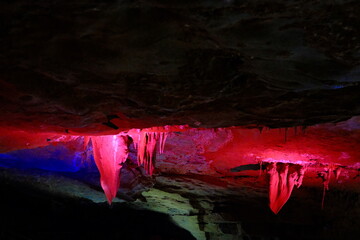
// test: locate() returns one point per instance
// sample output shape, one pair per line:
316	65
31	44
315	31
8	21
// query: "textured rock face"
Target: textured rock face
205	63
222	183
74	69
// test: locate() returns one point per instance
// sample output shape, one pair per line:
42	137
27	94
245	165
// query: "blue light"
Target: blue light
337	86
53	158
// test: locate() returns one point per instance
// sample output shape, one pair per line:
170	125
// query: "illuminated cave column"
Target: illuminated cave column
283	178
110	152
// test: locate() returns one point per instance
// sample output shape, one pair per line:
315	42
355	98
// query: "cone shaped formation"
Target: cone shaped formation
283	178
326	177
110	152
146	142
147	147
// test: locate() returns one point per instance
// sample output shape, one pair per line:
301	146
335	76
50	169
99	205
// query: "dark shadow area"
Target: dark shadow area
30	213
300	218
247	167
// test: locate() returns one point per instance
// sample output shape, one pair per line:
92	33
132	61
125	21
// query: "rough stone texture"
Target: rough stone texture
211	182
218	171
208	211
35	206
71	66
67	64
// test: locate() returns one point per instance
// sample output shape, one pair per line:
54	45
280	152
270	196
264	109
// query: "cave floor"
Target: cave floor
37	204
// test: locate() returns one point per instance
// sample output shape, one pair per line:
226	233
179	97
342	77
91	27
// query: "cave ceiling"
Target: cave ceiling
71	65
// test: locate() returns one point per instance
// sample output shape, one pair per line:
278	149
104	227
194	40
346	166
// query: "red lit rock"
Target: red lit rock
283	178
110	152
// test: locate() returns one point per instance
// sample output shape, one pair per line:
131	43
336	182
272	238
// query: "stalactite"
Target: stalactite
301	174
283	178
147	147
326	177
260	172
303	129
86	142
135	135
162	141
110	152
260	129
326	180
146	151
337	173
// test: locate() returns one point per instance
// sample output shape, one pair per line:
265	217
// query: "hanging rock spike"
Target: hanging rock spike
337	173
110	152
147	147
283	178
326	176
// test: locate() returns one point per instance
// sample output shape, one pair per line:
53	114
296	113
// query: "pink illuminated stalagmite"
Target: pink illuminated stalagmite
110	152
283	178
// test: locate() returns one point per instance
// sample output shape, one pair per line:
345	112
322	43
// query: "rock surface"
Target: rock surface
205	63
218	183
72	69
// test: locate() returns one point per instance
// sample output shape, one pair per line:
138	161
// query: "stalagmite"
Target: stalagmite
283	178
110	152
